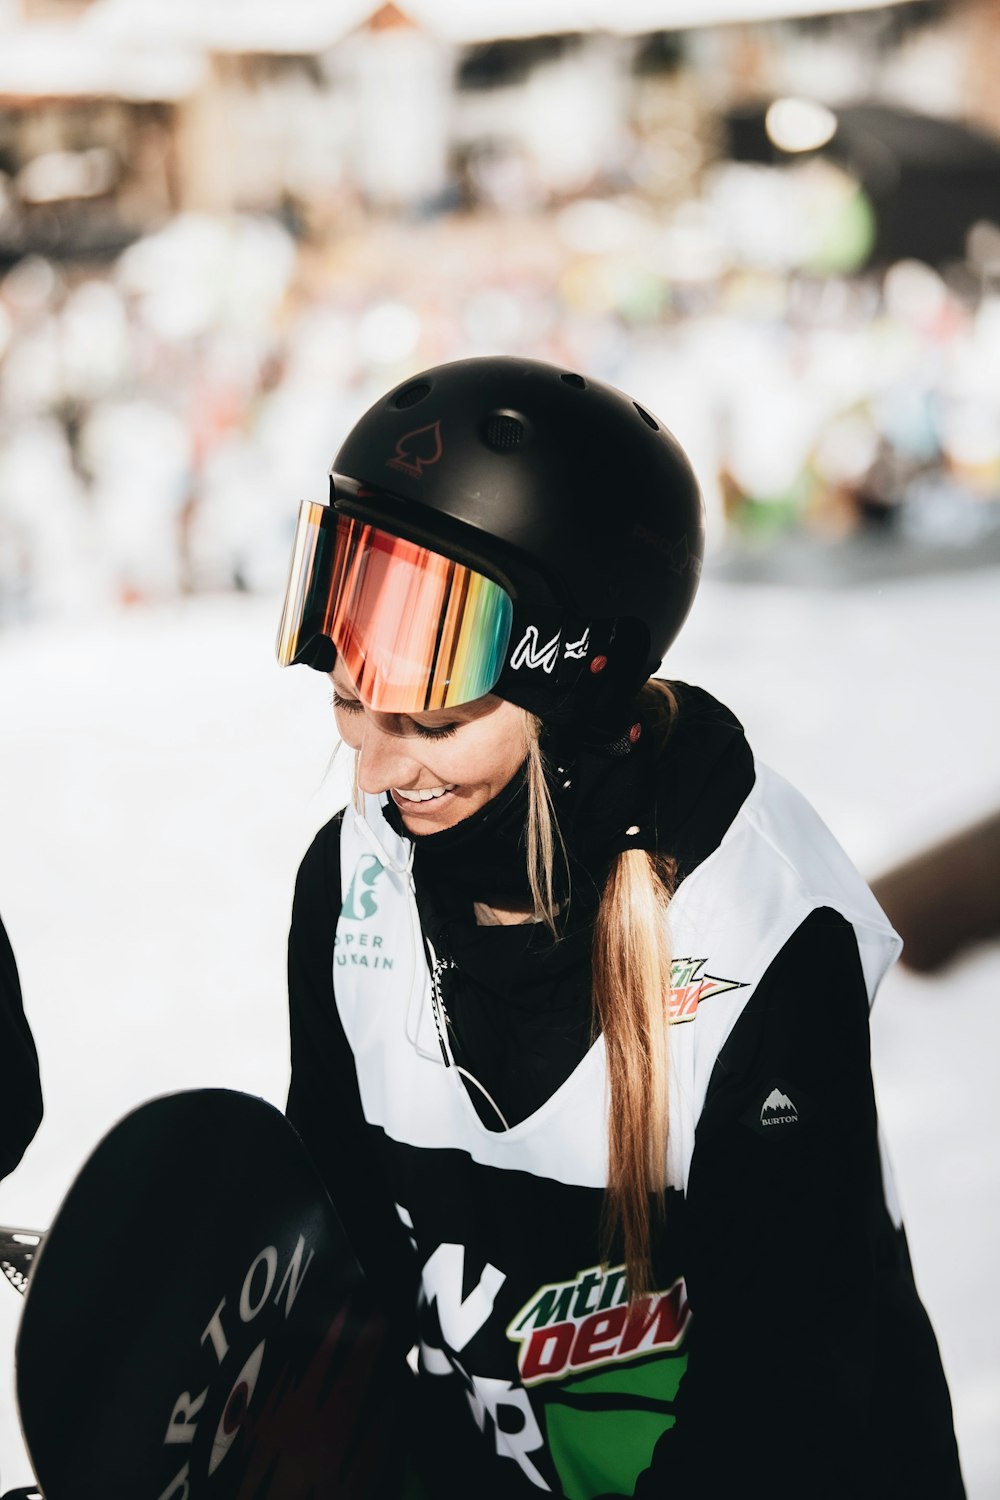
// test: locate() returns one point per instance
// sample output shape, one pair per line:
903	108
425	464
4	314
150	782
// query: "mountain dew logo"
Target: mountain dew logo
582	1324
689	986
607	1371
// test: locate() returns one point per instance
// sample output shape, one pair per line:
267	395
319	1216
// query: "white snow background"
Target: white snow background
160	779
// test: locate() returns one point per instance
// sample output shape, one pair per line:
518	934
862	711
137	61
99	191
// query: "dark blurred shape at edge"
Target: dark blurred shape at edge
929	179
945	899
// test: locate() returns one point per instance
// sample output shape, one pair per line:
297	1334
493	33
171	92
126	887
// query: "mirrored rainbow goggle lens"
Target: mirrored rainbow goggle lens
415	630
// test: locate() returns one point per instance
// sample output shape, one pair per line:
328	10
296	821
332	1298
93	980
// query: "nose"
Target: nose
383	759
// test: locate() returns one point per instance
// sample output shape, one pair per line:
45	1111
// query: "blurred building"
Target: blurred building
225	227
220	107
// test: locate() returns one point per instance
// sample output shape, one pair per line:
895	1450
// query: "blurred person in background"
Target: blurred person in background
945	899
579	990
20	1088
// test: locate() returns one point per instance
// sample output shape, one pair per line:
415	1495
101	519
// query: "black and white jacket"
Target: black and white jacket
783	1343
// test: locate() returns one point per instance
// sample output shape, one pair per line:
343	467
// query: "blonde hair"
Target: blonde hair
543	835
631	990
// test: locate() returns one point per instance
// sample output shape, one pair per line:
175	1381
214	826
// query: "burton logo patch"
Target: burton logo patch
778	1109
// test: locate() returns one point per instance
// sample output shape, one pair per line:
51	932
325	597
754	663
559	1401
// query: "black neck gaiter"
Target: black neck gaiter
484	855
602	805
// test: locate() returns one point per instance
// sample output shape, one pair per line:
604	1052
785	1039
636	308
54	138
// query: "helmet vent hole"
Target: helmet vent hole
503	433
576	381
410	395
649	421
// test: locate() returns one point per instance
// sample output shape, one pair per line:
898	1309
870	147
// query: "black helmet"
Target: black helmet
562	490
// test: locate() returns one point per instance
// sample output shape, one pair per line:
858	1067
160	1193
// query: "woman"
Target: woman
579	991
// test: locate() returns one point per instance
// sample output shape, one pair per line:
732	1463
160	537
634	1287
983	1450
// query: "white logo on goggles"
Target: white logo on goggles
528	654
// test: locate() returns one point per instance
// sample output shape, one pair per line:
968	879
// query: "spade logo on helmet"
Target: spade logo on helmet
418	450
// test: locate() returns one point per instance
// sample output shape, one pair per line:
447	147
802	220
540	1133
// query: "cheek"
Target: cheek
508	762
497	756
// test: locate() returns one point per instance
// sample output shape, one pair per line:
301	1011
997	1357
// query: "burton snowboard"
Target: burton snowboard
196	1327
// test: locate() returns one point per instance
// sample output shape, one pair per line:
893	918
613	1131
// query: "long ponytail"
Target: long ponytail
631	986
631	991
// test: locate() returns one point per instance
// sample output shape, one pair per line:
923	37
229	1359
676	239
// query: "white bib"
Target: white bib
727	920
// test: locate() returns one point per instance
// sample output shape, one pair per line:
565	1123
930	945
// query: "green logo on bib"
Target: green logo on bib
360	902
351	947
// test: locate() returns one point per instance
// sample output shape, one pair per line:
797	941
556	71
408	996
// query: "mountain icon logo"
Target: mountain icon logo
778	1109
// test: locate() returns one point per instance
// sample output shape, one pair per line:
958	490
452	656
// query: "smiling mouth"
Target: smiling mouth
426	794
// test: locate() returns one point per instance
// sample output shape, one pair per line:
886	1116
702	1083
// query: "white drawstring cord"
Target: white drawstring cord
441	1023
368	833
436	965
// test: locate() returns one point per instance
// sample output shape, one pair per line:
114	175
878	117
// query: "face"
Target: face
438	767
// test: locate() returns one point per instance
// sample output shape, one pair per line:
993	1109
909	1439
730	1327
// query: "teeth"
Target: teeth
426	795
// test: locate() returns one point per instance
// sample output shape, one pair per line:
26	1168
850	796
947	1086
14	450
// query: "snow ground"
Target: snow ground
160	779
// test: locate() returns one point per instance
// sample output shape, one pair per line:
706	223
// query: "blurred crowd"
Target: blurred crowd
162	414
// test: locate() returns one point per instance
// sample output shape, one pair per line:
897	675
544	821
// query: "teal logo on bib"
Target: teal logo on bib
364	948
360	901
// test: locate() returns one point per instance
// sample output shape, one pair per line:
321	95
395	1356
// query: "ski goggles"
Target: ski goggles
415	630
